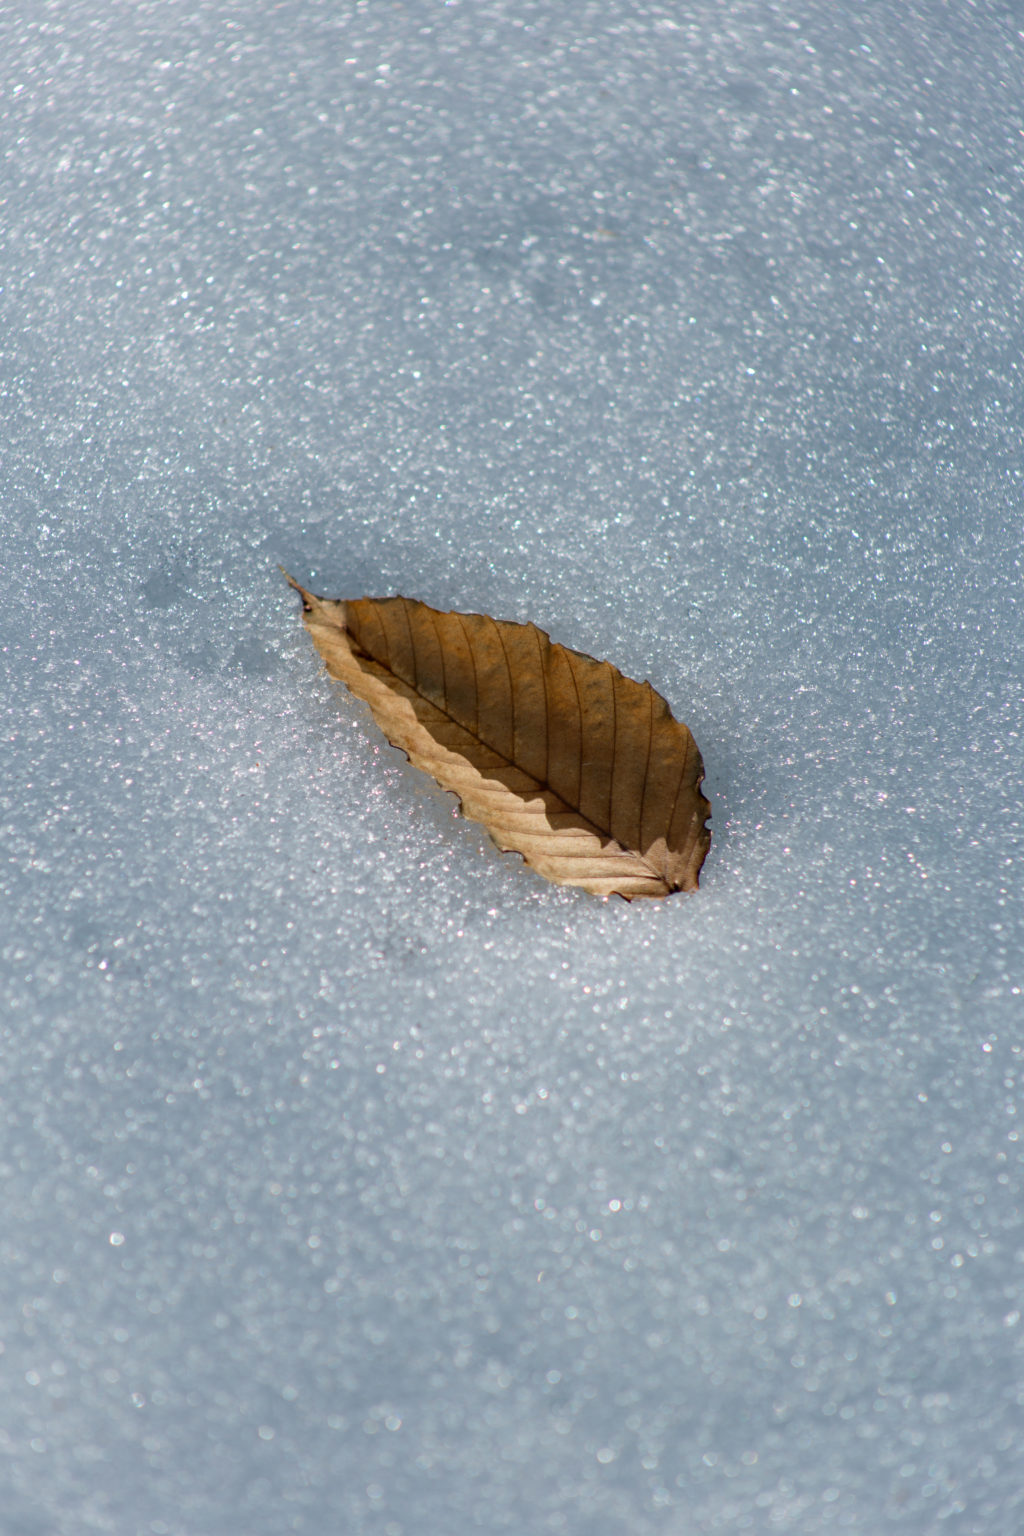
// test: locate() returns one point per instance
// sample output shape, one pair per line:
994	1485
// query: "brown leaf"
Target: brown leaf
579	769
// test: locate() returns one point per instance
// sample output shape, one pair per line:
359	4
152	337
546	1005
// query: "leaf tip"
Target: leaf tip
308	600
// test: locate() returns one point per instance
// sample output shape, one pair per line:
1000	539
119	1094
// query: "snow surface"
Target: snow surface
354	1180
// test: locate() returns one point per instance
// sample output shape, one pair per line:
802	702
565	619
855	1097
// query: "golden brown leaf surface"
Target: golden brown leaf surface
581	770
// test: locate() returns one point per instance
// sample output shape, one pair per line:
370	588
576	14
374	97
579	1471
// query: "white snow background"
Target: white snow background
355	1180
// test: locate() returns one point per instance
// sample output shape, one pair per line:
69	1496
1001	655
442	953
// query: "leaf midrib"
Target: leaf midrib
360	651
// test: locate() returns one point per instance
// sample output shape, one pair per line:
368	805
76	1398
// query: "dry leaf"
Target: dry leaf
579	769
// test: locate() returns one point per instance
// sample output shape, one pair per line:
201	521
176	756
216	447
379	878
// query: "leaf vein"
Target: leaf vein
412	646
647	766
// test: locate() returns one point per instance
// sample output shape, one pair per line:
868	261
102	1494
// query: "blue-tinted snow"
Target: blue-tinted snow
354	1180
